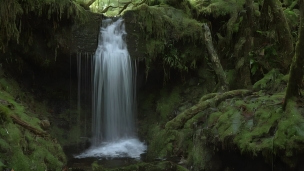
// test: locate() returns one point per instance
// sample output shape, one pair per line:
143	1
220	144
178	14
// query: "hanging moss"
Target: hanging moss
11	12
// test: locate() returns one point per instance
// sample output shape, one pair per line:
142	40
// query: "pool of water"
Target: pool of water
120	153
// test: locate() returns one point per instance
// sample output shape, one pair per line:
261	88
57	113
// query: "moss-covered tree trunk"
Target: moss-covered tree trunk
205	102
223	83
296	69
243	48
283	31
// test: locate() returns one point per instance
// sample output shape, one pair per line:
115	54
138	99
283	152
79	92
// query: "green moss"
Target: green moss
219	7
20	149
170	35
11	11
155	47
271	82
18	110
192	123
201	156
167	102
4	146
289	134
231	77
161	145
257	125
19	161
2	166
4	114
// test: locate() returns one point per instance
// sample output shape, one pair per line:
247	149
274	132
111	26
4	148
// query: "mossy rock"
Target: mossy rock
257	125
272	82
166	34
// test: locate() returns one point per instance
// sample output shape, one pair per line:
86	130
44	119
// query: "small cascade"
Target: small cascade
84	63
113	96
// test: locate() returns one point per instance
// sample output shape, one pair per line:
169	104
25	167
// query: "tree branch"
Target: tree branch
215	59
28	126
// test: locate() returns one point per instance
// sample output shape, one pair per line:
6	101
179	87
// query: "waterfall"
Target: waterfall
113	96
113	85
84	88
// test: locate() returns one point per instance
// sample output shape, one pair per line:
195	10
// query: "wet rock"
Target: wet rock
85	36
45	124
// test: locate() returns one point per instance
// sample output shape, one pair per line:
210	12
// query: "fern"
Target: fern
292	17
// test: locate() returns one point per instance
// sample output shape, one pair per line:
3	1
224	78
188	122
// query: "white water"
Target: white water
122	148
113	97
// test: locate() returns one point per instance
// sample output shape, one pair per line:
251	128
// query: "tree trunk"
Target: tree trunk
215	60
296	68
283	31
246	44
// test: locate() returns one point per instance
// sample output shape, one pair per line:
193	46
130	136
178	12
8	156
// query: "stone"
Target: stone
45	124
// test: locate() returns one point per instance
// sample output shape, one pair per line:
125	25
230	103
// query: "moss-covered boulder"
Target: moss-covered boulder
164	34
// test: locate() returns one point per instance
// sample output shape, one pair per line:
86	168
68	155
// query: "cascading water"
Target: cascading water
113	88
113	96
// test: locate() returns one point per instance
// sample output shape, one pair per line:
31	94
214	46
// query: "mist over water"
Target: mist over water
113	96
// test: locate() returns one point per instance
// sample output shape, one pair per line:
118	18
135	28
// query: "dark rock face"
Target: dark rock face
85	36
135	41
